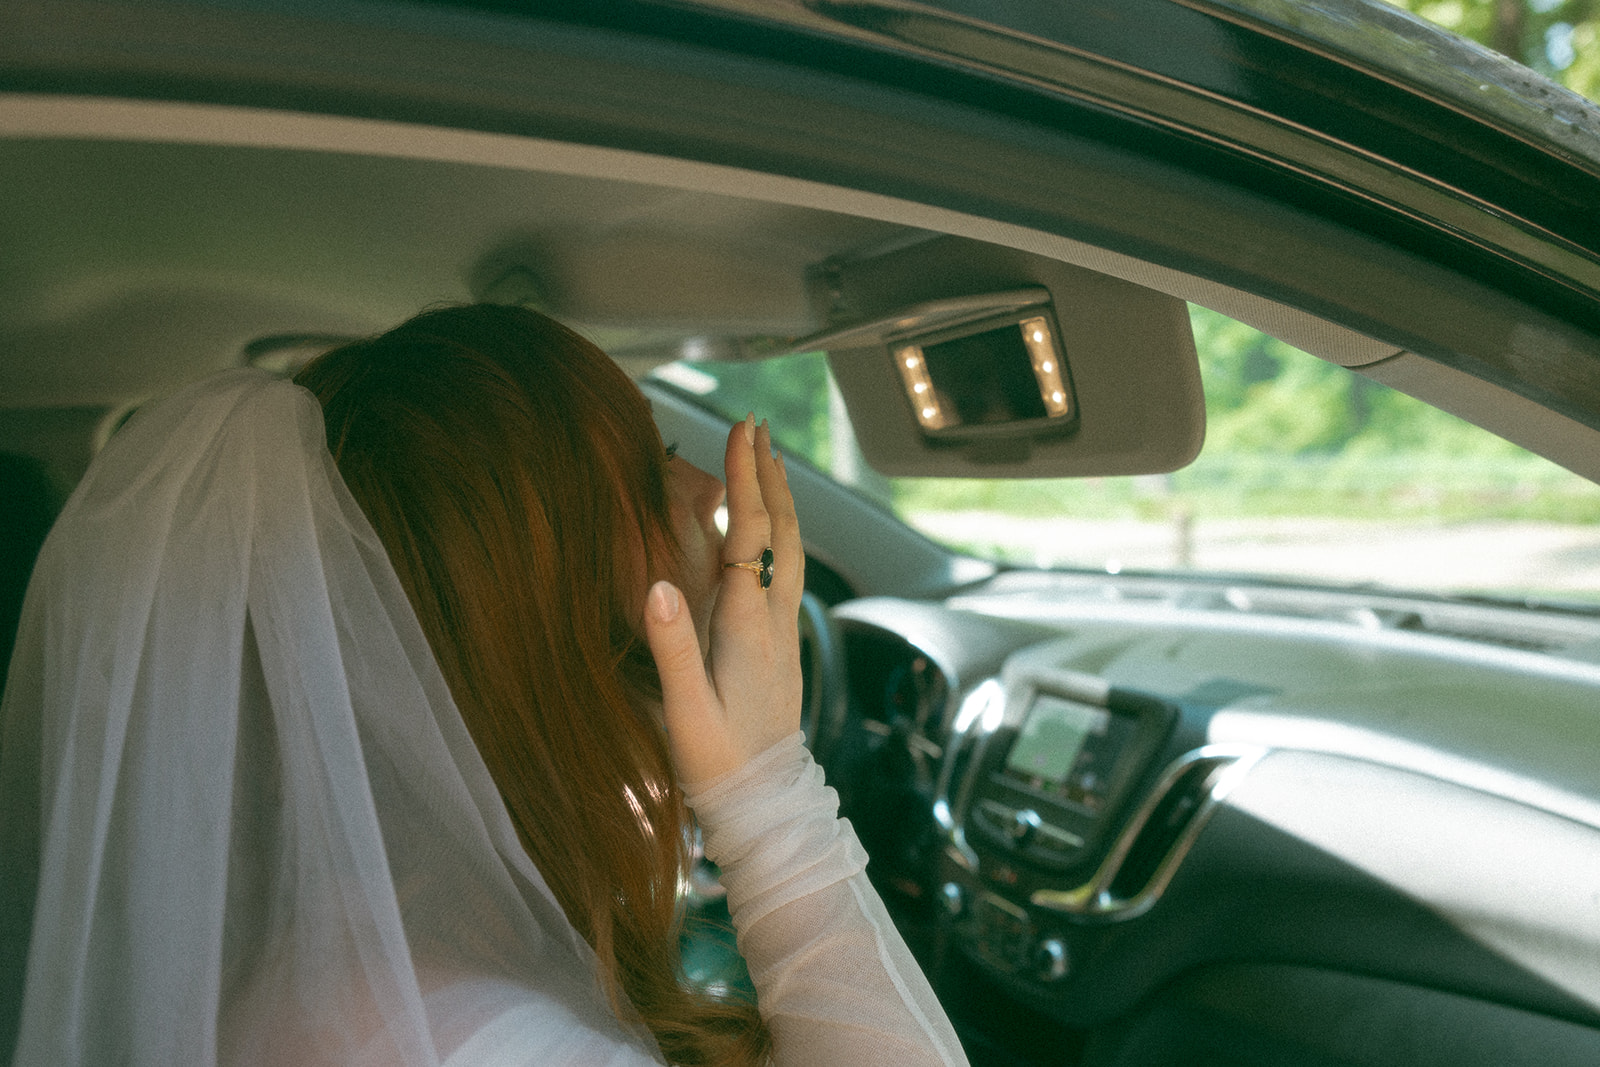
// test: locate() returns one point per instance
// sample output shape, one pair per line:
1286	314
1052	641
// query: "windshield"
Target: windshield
1310	473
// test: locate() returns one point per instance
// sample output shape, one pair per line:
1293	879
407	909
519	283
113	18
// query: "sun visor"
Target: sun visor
961	359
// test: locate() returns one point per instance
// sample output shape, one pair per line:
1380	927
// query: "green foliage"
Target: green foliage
790	392
1265	398
1558	38
1291	435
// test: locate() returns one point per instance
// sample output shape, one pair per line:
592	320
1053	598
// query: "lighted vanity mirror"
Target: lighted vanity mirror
997	376
956	358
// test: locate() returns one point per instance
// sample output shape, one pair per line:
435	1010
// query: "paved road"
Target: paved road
1517	557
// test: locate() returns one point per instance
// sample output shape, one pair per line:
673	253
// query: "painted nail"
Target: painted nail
664	601
750	428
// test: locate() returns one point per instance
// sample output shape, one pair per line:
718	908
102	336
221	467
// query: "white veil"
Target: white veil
241	820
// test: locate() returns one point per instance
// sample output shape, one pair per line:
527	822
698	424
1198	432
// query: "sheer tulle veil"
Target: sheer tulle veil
240	818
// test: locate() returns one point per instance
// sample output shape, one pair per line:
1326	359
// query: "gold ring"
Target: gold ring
760	567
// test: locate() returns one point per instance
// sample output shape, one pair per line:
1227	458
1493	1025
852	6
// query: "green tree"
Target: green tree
790	391
1559	38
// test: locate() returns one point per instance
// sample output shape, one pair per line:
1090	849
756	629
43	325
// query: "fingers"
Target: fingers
671	635
783	526
761	515
745	694
749	531
687	698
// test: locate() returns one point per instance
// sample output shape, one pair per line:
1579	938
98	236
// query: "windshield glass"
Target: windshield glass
1310	473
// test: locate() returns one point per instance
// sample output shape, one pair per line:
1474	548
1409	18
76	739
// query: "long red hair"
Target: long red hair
513	473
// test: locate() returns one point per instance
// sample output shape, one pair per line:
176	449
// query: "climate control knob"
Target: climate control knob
1050	960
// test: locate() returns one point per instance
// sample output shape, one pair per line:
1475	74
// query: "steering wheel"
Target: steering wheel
823	703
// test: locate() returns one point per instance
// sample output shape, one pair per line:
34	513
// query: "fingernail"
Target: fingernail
664	601
750	428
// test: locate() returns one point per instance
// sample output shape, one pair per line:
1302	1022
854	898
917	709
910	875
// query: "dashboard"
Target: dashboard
1118	821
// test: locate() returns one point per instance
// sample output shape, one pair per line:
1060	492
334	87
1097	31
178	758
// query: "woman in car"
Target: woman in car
354	733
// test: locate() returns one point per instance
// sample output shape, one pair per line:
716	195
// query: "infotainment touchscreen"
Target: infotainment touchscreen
1069	750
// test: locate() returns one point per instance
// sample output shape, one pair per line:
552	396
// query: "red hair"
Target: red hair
513	473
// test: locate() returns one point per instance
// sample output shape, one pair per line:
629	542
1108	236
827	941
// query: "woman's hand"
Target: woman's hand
744	696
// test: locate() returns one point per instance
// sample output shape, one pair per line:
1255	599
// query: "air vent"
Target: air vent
1173	814
1156	839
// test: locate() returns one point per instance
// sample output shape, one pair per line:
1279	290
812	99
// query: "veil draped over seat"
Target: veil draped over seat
241	820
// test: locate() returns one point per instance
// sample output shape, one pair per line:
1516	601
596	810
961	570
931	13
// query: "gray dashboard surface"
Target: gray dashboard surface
1428	808
1512	722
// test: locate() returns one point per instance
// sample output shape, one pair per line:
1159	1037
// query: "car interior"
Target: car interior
1120	817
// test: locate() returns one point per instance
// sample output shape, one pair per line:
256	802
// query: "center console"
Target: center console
1046	788
1042	788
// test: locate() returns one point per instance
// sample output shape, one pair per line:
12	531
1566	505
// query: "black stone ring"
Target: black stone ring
761	568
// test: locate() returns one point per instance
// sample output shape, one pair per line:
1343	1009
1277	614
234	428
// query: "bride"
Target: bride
360	720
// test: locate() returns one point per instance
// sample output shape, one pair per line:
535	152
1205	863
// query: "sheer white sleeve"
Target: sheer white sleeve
833	977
